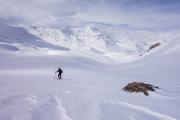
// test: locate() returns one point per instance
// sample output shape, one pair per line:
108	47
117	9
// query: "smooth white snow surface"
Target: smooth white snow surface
90	90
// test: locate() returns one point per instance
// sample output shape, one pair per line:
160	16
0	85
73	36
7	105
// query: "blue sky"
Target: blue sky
162	14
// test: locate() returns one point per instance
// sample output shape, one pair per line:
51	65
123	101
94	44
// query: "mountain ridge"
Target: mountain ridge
94	41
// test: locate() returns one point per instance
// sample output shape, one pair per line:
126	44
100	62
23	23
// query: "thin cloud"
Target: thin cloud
146	13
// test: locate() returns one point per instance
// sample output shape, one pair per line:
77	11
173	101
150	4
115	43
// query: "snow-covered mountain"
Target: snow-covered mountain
119	60
103	41
93	40
90	88
18	39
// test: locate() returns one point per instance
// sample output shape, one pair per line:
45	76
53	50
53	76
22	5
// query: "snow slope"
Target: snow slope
107	42
16	39
100	42
98	60
90	90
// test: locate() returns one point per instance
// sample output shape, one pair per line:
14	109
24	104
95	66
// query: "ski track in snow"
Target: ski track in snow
154	114
164	97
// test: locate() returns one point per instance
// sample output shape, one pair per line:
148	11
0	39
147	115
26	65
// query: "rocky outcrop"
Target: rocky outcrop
140	87
154	46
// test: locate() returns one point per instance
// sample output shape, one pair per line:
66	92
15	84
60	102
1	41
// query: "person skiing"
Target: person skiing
59	73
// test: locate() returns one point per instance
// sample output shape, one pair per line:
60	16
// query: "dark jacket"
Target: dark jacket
59	71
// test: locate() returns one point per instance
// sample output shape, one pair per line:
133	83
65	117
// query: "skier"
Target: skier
59	72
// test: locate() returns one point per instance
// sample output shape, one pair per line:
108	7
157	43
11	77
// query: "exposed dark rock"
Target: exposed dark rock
140	87
154	46
151	47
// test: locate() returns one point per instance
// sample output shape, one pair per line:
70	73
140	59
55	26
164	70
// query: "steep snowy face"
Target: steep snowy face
102	41
94	40
19	40
53	36
90	38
